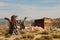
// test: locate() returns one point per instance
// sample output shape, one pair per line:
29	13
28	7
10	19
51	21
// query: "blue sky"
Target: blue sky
31	8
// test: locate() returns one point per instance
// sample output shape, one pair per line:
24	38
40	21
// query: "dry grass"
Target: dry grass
17	39
29	35
44	38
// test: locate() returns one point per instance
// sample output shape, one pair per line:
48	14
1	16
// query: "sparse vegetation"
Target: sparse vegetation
33	35
56	35
17	39
30	35
46	38
45	33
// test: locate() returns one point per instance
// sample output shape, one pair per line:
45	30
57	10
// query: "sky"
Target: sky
33	9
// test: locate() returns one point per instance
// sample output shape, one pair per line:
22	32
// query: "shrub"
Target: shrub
17	39
44	38
30	36
45	33
23	36
7	36
22	31
47	37
56	36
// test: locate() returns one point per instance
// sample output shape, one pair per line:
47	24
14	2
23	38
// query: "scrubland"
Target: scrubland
30	33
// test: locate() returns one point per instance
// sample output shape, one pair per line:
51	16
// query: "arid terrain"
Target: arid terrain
30	33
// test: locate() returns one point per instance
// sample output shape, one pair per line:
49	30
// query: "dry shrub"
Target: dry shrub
56	35
24	36
7	36
45	33
29	35
44	38
17	39
23	31
47	37
3	31
37	37
34	31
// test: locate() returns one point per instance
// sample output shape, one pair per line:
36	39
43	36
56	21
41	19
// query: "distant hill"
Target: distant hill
2	20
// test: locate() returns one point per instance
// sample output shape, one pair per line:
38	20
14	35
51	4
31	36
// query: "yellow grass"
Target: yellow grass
28	34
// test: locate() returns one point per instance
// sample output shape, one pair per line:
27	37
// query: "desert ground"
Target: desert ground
30	33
